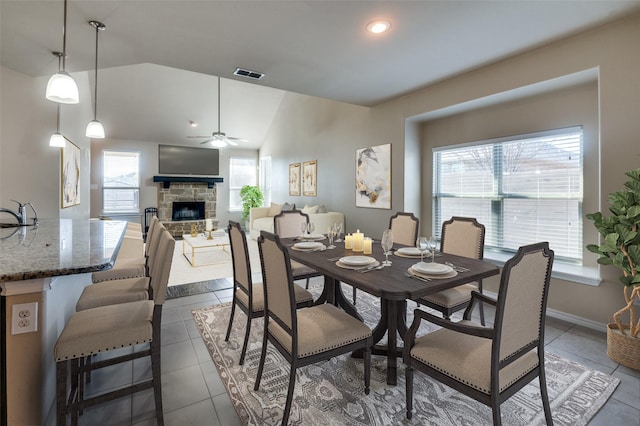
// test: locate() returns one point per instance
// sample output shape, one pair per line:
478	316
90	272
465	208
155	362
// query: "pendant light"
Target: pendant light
95	129
61	87
56	139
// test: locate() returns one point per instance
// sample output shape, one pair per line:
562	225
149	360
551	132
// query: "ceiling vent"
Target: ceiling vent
248	74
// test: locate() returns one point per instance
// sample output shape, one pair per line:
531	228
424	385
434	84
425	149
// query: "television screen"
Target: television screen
187	160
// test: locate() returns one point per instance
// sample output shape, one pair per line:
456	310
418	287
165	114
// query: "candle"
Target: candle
208	225
358	241
348	241
368	243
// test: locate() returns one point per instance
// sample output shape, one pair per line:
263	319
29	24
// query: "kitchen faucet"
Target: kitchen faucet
21	216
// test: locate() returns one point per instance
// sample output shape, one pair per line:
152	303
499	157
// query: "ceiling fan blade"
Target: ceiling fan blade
197	137
206	141
231	142
237	139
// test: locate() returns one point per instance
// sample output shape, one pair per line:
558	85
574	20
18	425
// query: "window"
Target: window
265	178
120	182
242	171
524	189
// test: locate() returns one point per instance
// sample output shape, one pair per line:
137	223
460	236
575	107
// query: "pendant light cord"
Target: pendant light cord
64	38
218	104
60	56
95	93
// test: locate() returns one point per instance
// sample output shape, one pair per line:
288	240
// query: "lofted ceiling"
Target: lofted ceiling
158	59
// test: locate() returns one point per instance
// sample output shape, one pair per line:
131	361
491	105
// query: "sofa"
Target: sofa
261	218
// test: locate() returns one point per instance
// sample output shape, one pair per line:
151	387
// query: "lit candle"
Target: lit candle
348	241
368	243
358	241
208	225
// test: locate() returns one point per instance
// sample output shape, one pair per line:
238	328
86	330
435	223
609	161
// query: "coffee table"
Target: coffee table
200	244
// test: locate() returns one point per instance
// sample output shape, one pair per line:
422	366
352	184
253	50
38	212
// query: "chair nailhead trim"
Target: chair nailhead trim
82	355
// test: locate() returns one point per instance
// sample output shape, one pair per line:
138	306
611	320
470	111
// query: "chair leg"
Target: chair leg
263	353
354	295
307	285
292	384
233	311
367	370
75	397
481	307
545	396
495	408
246	340
62	369
157	380
408	374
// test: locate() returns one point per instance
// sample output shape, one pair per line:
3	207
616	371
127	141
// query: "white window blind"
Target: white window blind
265	178
524	189
121	182
242	171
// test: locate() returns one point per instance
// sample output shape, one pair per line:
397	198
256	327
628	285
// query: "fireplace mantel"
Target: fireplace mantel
167	180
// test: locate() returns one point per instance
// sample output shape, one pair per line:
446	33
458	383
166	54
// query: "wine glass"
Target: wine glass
431	243
303	227
310	228
387	245
338	228
331	233
422	244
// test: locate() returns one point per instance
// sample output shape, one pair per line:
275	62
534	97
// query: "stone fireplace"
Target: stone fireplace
190	193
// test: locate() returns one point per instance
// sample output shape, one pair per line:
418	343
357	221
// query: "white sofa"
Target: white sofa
260	220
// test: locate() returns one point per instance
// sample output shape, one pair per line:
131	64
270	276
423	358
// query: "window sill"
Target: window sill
588	275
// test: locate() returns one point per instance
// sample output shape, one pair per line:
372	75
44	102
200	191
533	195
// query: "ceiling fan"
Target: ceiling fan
219	139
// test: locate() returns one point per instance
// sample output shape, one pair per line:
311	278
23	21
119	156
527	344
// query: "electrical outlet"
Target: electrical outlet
24	318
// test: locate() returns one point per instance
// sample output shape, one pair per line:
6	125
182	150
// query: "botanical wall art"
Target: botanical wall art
309	175
373	177
294	179
70	175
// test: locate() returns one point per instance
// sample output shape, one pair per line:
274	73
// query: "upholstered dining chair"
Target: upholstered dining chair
490	364
286	224
404	227
462	236
303	336
106	328
247	295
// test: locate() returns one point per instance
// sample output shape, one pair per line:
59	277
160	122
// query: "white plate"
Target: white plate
357	260
312	237
307	245
409	251
432	268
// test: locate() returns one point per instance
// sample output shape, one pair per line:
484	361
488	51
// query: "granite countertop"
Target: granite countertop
58	247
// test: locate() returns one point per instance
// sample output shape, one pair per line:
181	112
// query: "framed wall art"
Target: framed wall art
309	178
70	175
373	177
294	179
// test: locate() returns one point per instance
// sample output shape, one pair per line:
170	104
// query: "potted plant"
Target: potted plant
621	248
251	196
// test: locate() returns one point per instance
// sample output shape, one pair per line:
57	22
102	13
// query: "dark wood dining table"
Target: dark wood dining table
390	284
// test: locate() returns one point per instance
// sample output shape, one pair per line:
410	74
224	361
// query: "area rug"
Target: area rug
332	392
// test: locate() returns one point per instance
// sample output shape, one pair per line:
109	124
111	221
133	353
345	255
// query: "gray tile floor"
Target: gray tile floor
193	393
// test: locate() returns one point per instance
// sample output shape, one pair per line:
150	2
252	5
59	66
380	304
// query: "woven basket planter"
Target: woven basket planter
623	348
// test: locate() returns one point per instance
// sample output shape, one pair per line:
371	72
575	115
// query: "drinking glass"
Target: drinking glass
331	233
387	245
310	228
432	246
338	228
422	244
303	227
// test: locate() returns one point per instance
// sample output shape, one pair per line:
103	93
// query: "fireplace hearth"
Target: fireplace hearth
188	210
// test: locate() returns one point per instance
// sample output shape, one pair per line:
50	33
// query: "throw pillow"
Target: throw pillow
286	207
310	209
274	209
322	209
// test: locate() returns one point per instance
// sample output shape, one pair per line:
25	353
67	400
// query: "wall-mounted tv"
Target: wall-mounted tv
187	160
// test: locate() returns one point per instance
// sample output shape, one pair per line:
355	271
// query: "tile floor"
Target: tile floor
194	395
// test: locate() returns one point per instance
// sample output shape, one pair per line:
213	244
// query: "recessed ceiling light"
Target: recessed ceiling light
377	27
193	123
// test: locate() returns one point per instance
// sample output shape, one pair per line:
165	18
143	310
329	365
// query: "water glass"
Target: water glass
338	228
303	227
331	233
387	245
432	243
422	244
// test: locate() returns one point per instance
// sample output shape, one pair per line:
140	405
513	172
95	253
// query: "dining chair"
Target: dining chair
247	295
286	224
404	227
107	328
462	236
490	364
303	336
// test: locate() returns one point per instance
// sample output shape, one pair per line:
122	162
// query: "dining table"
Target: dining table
392	284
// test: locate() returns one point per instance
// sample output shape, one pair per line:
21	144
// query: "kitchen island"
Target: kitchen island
43	270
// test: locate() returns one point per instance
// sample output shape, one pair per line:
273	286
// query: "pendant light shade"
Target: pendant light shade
95	130
61	87
57	140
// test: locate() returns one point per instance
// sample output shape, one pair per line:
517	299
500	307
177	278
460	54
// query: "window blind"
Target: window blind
121	181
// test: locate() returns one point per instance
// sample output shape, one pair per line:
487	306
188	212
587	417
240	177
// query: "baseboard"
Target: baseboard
563	316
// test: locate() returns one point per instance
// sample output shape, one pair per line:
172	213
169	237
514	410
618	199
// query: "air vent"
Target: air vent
248	74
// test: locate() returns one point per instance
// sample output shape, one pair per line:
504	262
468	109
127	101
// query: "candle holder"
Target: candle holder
194	231
209	237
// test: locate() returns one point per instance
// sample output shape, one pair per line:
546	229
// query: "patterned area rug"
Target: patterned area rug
332	392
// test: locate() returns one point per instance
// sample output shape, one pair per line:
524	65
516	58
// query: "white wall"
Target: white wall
29	168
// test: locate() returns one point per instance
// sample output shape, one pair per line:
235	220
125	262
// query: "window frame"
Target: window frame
135	189
237	188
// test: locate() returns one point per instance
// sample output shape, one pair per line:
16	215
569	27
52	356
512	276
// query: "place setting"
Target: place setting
359	263
308	246
307	232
